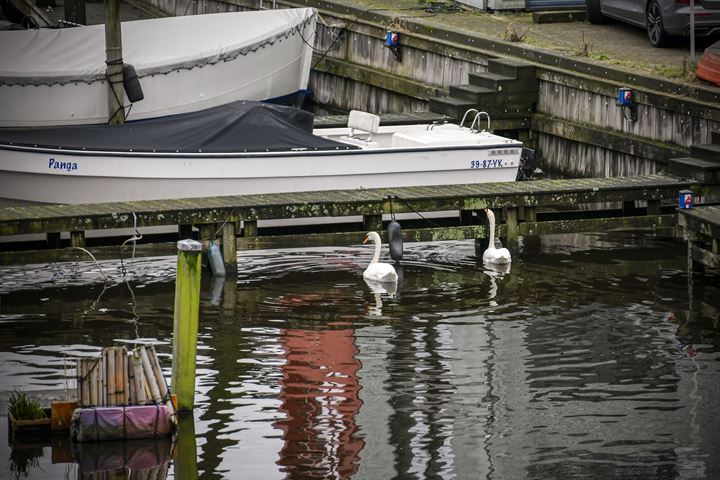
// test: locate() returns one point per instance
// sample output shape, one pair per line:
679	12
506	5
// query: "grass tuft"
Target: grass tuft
23	407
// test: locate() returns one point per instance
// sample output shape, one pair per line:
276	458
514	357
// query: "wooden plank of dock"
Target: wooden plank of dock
208	210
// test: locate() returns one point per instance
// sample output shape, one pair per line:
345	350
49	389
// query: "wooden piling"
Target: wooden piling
250	228
372	223
229	247
530	214
114	61
77	238
207	235
185	322
512	223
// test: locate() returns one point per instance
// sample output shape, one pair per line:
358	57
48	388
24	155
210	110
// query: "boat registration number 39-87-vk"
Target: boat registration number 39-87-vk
495	163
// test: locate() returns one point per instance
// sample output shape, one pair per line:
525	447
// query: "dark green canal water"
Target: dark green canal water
590	358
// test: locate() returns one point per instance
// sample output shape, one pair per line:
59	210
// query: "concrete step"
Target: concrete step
503	83
710	152
470	92
512	68
451	106
715	137
456	108
487	96
696	168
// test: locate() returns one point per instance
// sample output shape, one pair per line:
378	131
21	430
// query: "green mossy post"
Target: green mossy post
185	322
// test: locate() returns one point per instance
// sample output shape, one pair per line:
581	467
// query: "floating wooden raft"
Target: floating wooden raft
118	377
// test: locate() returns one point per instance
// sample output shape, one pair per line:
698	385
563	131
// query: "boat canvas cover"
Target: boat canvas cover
154	46
237	127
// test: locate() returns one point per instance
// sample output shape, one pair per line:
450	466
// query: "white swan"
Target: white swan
376	271
492	254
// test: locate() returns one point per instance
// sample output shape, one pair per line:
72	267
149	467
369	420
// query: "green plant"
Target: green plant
23	407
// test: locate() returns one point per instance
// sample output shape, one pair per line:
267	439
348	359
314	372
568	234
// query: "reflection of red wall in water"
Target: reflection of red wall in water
320	397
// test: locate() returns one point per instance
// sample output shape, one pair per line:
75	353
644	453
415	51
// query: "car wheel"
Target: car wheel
594	13
654	23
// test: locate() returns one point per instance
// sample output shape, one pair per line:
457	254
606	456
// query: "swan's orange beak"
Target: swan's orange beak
366	239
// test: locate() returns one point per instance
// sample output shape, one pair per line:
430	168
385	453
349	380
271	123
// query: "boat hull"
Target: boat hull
52	176
272	62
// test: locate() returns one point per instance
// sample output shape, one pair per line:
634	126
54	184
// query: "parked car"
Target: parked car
708	67
662	19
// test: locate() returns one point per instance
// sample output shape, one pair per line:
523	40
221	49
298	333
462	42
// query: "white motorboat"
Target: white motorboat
243	148
184	64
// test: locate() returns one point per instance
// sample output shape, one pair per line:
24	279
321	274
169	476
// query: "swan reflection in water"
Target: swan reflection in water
495	271
378	289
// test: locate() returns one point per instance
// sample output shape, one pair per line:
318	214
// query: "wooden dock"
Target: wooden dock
528	208
700	226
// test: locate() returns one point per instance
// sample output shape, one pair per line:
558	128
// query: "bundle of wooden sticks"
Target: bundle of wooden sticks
118	377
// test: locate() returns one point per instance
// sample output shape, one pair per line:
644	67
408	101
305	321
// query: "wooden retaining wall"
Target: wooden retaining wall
585	121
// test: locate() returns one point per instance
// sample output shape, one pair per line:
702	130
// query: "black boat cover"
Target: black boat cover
237	127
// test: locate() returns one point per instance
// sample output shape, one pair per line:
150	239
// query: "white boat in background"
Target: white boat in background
243	148
184	64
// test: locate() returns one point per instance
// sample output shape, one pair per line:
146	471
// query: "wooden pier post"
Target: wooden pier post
530	214
207	235
372	223
512	224
229	247
250	228
114	63
77	239
185	322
